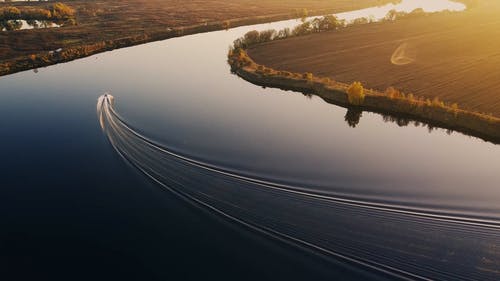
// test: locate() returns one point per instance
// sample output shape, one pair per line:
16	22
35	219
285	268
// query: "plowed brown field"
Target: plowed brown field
453	56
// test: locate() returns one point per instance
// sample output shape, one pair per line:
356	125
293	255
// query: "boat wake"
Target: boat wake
398	241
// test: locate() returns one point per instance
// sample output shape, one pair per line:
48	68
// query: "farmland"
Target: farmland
453	56
100	24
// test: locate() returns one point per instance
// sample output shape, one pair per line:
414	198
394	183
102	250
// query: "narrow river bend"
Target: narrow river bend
402	201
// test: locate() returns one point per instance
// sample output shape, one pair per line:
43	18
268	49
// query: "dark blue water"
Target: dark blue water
71	208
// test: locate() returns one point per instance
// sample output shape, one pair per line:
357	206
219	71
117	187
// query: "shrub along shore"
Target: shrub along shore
392	101
56	11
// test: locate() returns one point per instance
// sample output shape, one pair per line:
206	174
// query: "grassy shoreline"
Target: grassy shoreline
471	123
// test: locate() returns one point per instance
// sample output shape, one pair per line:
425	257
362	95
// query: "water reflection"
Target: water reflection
353	116
400	121
11	25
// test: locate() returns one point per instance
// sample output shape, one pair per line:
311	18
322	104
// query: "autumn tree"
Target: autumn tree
356	93
10	13
62	11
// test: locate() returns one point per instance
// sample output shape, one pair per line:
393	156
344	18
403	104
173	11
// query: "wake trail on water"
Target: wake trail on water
404	242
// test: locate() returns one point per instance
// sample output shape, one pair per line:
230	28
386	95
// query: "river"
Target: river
395	201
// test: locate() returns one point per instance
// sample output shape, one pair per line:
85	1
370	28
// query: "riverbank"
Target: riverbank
435	112
106	25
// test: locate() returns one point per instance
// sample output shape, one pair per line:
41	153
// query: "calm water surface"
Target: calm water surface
65	191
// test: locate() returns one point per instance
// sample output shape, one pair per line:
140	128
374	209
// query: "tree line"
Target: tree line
316	25
57	11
